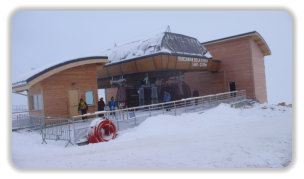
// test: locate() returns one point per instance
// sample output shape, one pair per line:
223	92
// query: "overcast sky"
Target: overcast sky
40	38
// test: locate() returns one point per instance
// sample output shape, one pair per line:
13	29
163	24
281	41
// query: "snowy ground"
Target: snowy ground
222	137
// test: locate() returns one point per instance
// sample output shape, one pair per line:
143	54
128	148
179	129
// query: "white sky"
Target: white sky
40	38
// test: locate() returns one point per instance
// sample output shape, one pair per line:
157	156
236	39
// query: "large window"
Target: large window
37	102
89	97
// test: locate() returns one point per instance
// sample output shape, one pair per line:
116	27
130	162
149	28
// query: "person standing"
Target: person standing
112	104
101	106
196	94
167	98
83	107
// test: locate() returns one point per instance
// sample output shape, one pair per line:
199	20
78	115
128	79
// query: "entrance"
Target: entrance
73	102
232	87
127	97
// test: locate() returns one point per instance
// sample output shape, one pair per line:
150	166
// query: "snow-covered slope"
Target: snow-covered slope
221	137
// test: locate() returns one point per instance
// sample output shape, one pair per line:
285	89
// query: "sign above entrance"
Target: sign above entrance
201	62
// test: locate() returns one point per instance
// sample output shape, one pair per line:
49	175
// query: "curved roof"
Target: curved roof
40	74
254	34
166	42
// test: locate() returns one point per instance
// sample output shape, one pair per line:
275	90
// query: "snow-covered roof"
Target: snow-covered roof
166	42
25	78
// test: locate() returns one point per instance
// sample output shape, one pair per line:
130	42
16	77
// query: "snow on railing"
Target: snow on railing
19	108
24	118
214	98
130	117
75	130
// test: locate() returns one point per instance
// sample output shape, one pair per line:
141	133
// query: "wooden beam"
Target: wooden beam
108	72
121	69
136	66
175	62
168	61
161	61
20	93
154	63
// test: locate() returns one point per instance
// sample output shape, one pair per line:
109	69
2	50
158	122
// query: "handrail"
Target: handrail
157	104
75	130
18	112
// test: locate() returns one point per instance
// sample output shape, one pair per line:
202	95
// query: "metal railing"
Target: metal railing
131	117
75	130
24	119
19	108
56	129
51	128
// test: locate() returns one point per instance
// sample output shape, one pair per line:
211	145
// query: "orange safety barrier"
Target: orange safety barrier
101	131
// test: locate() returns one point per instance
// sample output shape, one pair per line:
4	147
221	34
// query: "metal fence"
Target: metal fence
75	130
56	129
50	128
19	108
131	117
23	119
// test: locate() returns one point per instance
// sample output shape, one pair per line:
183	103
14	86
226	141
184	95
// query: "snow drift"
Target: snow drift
222	137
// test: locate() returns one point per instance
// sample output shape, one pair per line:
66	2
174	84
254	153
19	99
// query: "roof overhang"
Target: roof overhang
155	54
34	79
259	40
20	89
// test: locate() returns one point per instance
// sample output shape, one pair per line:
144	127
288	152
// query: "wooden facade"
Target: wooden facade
61	92
56	91
157	63
242	62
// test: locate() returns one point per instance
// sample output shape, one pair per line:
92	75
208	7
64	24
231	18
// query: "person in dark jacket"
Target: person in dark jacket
101	106
83	107
195	94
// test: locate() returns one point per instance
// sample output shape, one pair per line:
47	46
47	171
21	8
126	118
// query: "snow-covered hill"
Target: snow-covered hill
221	137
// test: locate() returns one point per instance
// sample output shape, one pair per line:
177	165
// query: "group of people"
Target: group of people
83	106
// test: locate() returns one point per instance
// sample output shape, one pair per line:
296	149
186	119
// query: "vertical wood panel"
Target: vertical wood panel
56	87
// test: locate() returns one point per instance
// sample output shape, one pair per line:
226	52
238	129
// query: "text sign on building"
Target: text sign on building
195	61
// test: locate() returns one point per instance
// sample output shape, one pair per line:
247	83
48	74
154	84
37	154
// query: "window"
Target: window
37	102
89	97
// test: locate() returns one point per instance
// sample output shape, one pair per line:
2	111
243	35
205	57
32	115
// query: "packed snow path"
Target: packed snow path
221	137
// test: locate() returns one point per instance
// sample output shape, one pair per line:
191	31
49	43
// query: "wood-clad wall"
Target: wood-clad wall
243	63
236	61
55	89
34	90
153	63
145	64
258	72
206	83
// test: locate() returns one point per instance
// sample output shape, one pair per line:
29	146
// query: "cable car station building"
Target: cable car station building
138	73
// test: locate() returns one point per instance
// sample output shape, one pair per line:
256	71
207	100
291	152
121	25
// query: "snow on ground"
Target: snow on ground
222	137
